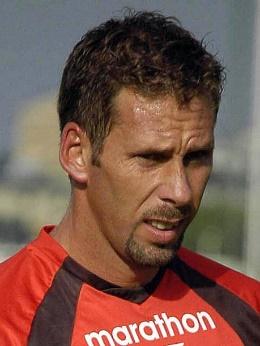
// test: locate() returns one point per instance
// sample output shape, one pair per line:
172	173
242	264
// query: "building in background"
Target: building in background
34	189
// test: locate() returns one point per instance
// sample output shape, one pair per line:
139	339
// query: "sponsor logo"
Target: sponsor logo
161	326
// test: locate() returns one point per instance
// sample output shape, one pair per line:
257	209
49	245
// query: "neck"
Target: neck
88	246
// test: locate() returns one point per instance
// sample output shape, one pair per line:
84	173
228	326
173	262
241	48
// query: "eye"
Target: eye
198	156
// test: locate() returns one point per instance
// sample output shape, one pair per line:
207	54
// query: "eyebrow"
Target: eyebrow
205	146
149	149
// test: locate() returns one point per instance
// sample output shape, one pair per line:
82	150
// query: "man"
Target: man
137	105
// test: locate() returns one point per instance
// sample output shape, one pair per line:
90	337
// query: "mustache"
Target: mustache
164	211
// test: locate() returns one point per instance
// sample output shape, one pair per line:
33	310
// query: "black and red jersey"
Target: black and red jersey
46	298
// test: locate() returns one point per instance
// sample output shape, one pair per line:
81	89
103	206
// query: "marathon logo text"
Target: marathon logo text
161	326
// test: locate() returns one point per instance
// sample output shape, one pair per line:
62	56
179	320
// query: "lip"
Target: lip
163	236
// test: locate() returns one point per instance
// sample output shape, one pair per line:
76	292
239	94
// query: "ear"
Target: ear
75	152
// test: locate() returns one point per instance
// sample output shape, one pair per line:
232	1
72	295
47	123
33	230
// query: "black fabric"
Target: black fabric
54	319
238	314
136	295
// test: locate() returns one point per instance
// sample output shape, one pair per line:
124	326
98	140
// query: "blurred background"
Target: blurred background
36	37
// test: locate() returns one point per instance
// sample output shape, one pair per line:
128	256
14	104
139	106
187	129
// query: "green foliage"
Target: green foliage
218	228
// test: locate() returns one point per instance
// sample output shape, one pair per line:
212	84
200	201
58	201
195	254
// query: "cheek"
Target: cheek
112	191
127	183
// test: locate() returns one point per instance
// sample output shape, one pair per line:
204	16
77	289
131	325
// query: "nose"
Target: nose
175	187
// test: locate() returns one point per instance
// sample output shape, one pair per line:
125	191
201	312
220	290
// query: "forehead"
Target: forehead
160	113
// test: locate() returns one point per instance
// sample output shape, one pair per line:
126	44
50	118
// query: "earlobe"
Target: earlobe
74	152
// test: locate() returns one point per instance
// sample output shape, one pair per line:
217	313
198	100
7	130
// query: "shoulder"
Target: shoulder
240	285
38	261
24	280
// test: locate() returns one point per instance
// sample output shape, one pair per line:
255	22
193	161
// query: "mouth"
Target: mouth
163	225
163	231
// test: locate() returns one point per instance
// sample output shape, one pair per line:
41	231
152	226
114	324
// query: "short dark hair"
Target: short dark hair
145	51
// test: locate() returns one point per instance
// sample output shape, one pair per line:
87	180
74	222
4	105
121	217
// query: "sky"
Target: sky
36	37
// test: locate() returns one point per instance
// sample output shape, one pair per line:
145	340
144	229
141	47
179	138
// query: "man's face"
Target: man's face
153	170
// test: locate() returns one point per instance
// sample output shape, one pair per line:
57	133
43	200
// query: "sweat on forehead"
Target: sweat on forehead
147	106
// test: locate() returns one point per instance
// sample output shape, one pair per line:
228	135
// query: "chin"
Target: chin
151	255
